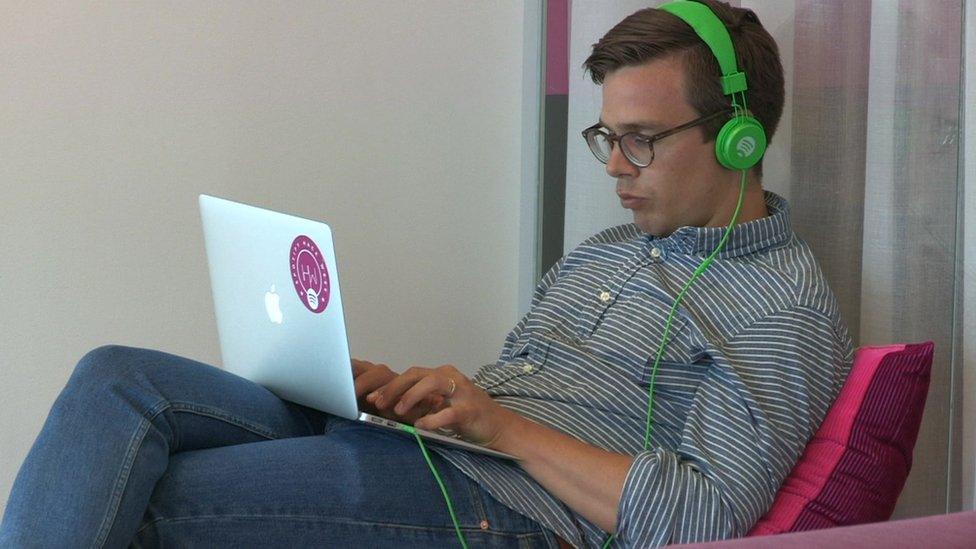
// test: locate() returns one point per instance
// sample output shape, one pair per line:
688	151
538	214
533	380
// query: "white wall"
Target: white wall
401	124
591	201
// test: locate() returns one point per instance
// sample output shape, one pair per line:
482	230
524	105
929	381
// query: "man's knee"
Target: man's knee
107	364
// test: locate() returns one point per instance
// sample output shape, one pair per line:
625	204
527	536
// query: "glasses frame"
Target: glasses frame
648	140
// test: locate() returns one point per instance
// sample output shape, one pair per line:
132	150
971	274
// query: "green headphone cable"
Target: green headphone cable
667	327
440	483
650	390
674	308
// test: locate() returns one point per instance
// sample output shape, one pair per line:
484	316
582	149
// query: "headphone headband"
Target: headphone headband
741	142
713	32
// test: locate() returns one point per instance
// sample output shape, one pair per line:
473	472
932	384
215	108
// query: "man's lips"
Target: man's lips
630	201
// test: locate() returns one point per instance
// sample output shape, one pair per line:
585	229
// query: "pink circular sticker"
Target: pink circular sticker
309	273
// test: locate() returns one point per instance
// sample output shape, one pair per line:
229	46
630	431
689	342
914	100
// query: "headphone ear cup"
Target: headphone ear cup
741	143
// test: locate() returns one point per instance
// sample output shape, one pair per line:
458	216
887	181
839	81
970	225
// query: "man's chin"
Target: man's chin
643	223
652	227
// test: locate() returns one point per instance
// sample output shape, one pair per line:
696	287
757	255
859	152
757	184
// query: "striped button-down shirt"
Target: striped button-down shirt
757	352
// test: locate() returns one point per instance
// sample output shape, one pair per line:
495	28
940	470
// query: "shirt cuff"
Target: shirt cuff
665	502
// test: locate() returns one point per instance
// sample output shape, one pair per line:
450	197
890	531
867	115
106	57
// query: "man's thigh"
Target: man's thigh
356	485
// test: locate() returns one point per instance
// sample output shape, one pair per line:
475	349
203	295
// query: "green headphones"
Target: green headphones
741	142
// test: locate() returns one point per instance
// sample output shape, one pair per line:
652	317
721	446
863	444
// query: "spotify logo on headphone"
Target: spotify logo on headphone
746	146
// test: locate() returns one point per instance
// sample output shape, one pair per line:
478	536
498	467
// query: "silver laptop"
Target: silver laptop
279	310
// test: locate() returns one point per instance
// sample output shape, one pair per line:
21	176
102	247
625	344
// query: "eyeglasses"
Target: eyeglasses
637	148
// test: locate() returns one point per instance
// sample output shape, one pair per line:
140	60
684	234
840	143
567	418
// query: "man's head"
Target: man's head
658	74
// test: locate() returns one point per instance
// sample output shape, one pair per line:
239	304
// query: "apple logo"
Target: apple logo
272	305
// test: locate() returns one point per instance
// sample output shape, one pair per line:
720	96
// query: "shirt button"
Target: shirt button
655	252
527	368
604	296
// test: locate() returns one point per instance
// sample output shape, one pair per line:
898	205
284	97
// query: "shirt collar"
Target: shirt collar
746	237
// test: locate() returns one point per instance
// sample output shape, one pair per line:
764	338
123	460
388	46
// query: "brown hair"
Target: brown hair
652	33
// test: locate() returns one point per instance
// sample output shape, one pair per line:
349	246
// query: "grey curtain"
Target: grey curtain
868	156
875	155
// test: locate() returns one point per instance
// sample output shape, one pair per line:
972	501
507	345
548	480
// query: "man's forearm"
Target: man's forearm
587	479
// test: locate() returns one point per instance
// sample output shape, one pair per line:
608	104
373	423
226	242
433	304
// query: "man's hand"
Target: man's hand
369	377
588	479
458	404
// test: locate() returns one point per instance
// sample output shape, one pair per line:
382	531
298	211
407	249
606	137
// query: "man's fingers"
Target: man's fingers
448	417
388	395
367	381
362	366
424	388
370	377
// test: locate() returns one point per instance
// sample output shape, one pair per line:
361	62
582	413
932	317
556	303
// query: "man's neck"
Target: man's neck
753	203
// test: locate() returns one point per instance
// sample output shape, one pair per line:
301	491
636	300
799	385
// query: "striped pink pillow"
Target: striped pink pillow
854	467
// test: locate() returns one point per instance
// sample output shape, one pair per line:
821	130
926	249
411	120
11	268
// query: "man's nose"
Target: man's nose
618	165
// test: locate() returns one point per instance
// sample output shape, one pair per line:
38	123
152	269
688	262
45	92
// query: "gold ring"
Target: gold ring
453	386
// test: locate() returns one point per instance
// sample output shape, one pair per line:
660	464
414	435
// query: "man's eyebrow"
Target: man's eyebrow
635	126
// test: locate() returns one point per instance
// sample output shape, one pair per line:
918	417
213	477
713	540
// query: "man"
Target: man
170	450
759	354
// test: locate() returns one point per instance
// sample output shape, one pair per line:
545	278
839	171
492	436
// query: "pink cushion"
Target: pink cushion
854	467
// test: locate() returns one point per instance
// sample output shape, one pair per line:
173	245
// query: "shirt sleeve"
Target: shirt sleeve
768	389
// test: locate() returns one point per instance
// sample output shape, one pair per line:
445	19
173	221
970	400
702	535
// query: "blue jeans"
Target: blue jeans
149	448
